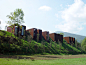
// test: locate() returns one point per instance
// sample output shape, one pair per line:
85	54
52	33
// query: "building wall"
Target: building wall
52	36
56	37
61	38
40	33
74	40
46	35
69	40
9	29
33	33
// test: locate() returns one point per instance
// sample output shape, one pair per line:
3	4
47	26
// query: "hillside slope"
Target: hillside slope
15	45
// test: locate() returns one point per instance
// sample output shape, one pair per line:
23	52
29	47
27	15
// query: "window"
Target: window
22	31
16	30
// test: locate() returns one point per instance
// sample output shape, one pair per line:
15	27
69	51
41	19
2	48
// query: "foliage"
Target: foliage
83	45
15	45
16	17
74	61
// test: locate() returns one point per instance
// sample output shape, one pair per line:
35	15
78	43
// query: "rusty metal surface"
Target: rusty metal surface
45	34
33	32
70	40
39	31
56	37
9	29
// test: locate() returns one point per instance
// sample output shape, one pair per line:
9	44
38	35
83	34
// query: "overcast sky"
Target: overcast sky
48	15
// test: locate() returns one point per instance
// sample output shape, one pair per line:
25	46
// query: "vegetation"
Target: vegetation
15	45
83	45
16	17
75	61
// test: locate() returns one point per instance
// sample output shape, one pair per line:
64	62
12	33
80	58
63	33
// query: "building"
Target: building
61	38
74	40
56	37
70	40
17	29
45	35
33	32
39	31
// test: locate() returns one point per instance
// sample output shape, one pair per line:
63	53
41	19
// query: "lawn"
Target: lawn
57	61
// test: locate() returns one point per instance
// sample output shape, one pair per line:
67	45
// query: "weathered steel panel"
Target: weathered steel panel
45	34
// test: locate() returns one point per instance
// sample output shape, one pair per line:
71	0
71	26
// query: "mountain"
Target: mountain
79	38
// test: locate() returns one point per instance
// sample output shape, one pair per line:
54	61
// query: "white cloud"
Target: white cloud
45	8
2	25
61	5
74	17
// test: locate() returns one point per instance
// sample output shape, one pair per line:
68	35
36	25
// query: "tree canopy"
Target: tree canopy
16	17
83	45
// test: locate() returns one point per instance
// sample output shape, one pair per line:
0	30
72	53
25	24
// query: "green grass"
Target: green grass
76	61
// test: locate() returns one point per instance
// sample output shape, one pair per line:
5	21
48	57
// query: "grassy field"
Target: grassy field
60	60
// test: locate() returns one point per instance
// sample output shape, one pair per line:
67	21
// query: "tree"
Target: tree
15	18
61	34
83	44
76	43
0	23
60	45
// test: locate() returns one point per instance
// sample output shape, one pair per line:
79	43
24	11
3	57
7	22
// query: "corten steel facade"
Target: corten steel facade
23	30
56	37
39	31
16	30
33	32
9	29
45	34
61	38
74	40
70	40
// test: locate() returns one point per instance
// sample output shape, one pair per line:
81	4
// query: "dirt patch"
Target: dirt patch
44	57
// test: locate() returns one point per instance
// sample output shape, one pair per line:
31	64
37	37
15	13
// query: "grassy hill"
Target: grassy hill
10	44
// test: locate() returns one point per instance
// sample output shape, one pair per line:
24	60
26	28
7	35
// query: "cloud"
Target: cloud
74	17
45	8
2	25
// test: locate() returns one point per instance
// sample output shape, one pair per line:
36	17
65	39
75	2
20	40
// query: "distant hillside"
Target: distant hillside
79	38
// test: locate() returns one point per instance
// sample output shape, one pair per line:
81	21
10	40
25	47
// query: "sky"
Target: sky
48	15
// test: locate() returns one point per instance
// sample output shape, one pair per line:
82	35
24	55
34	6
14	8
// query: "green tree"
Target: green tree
76	43
61	34
83	44
0	23
60	45
16	17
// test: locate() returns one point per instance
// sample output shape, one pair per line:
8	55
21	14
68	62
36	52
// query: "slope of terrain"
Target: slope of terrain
10	44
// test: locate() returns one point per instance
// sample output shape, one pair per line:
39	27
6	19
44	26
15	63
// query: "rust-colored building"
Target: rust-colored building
23	30
74	40
45	34
16	29
56	37
70	40
39	31
61	38
33	32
